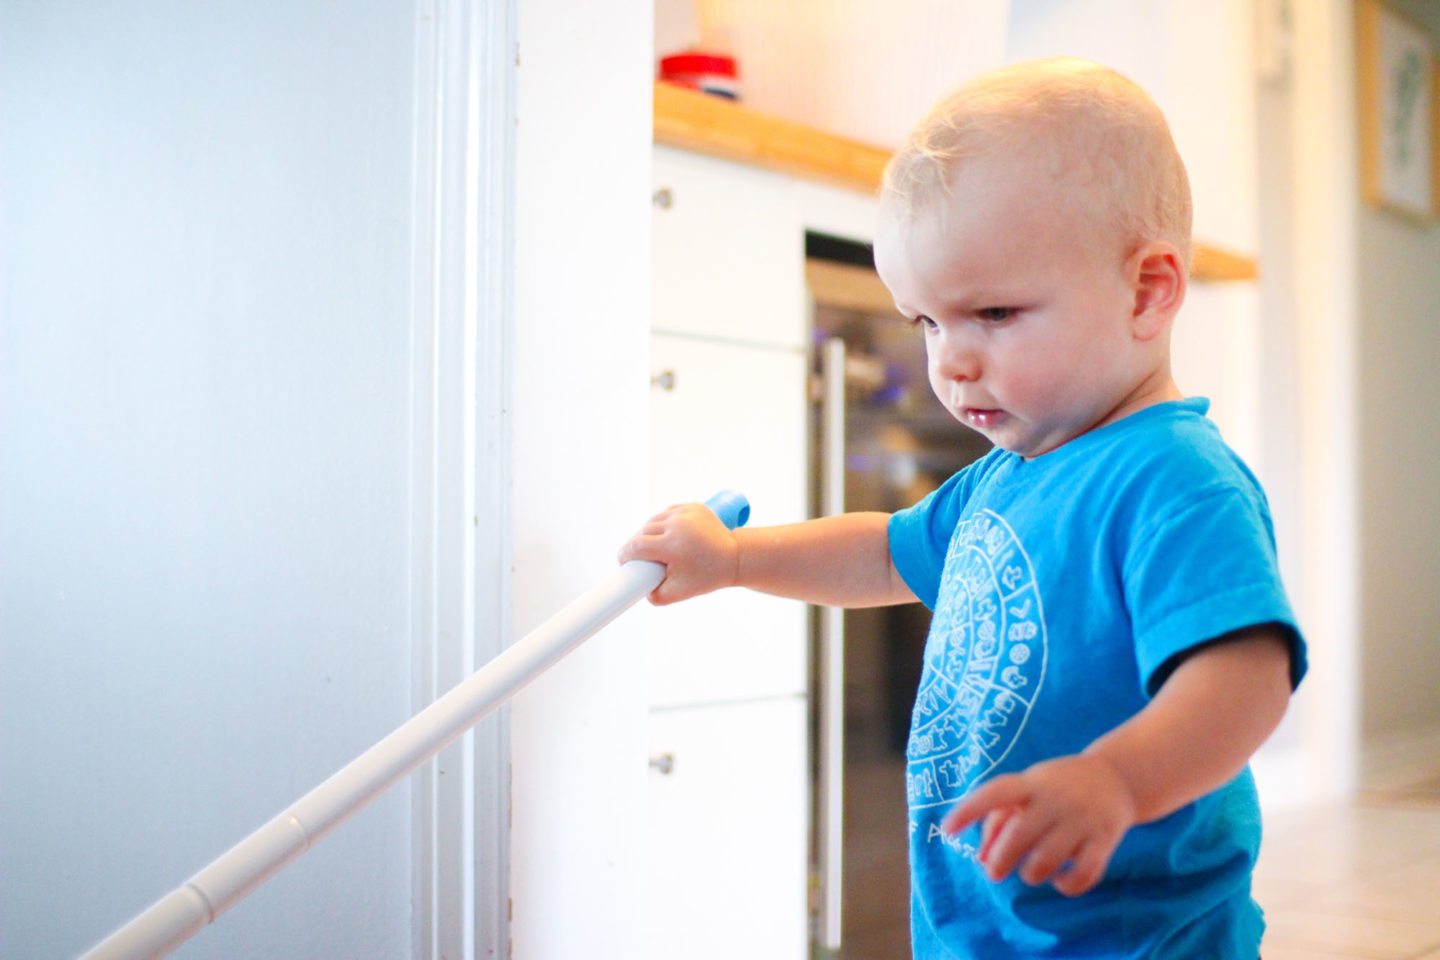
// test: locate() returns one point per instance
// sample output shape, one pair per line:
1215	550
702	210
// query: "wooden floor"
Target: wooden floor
1358	882
1353	882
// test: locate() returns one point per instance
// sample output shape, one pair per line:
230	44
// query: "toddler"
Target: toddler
1110	640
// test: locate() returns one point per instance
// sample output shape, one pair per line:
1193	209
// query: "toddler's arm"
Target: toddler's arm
1199	731
841	561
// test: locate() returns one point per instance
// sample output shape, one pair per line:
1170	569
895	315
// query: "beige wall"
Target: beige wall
1399	412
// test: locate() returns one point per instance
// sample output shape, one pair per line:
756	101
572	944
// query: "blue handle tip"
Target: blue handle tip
731	507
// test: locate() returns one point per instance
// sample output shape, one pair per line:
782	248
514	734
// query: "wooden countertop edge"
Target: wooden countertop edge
716	127
712	125
1216	264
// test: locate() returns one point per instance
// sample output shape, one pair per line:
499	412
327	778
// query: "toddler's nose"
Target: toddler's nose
952	357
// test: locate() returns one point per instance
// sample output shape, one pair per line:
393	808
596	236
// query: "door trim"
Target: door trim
460	540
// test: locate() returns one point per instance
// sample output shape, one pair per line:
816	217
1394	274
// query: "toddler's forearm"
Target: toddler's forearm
1203	726
841	561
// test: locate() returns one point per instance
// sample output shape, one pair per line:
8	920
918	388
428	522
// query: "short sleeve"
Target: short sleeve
1205	571
920	535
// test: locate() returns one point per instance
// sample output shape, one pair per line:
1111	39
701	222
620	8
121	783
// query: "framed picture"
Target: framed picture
1399	157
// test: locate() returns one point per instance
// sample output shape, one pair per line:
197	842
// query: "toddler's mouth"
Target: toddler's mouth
980	418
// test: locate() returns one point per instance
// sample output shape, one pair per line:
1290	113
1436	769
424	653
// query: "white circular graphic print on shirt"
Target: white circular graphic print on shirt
984	663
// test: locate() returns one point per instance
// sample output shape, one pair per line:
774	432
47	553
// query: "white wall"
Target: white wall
1335	359
1322	280
1196	61
204	268
581	373
1276	434
855	68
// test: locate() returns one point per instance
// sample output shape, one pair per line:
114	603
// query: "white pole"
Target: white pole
181	914
831	835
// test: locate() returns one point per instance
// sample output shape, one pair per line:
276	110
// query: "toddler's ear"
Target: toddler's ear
1159	281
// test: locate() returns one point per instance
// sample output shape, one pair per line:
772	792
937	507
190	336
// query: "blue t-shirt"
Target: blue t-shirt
1065	589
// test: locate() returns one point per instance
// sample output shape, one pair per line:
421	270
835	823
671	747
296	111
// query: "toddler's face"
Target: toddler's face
1024	305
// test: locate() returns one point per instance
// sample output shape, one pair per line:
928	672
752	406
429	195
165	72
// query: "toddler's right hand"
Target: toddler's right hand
700	553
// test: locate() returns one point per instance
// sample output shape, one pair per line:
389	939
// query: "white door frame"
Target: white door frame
460	459
1325	234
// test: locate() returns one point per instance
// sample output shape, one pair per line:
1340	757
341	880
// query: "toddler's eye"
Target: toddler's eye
922	321
995	314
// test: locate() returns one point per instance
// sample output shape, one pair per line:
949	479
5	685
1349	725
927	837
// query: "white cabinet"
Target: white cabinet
728	824
728	831
728	416
728	252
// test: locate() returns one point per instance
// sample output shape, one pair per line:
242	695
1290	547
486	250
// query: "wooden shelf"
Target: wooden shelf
712	125
1217	265
716	127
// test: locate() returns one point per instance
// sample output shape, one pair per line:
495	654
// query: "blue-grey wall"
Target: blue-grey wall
204	449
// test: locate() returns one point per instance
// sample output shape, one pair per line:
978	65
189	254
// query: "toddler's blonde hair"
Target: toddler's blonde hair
1095	129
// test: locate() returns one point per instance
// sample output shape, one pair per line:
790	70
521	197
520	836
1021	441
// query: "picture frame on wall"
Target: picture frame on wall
1399	156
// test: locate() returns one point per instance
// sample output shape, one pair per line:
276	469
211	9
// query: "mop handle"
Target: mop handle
179	915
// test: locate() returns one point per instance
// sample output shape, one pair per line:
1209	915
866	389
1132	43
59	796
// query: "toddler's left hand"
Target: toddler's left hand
1059	820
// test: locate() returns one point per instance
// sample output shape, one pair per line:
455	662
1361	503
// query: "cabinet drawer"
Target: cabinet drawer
728	835
727	252
728	416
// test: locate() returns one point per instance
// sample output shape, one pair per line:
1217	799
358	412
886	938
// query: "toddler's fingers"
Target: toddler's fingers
675	589
658	522
1087	866
990	829
1017	838
1059	846
642	546
1006	791
663	595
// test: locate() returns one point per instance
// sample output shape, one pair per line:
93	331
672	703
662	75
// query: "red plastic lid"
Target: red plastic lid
695	61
